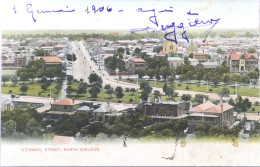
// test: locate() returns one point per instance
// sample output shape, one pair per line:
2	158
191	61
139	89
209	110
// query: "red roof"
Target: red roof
249	55
66	102
235	56
138	60
209	107
52	59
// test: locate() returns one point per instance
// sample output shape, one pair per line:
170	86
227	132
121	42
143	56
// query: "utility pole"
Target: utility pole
207	86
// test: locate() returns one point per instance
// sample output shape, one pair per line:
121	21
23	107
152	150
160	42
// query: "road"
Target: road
84	65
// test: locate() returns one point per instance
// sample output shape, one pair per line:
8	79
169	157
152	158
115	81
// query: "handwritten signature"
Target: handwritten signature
169	29
171	36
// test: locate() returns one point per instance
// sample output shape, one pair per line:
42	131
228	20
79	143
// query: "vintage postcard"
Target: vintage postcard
130	83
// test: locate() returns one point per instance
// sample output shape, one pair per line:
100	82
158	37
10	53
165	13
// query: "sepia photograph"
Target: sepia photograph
130	83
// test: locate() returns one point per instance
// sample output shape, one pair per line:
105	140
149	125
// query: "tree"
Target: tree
127	51
24	76
69	90
224	92
110	92
167	132
137	51
226	78
251	50
140	73
45	85
157	73
189	75
156	95
94	91
236	78
172	75
24	88
151	73
8	128
219	51
82	88
5	78
132	90
94	78
120	50
33	128
70	79
164	71
71	57
165	88
186	97
119	92
245	79
199	98
186	61
14	80
146	90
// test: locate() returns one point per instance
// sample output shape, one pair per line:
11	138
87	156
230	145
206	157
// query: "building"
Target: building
201	57
174	62
242	63
134	64
170	47
66	105
210	114
164	111
251	60
51	62
20	61
207	65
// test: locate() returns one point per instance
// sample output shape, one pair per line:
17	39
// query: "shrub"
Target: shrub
210	90
179	84
187	87
130	100
256	103
10	91
253	109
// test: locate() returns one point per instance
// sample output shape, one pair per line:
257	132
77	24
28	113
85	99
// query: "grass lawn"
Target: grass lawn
243	91
102	96
8	72
257	109
34	89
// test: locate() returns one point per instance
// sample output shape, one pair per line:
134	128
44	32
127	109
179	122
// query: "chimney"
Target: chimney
54	99
73	101
204	100
221	105
190	105
108	104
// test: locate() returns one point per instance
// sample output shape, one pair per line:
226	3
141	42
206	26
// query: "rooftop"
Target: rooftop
210	108
52	59
66	102
175	59
138	60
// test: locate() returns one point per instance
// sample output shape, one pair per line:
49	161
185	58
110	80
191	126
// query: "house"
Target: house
108	110
174	62
251	61
201	57
242	62
66	105
134	64
210	114
170	47
192	48
207	65
164	111
51	62
20	61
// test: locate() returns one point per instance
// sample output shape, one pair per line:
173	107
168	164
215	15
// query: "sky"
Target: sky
236	14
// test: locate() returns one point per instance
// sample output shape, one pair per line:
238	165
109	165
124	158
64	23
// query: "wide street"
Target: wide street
84	65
